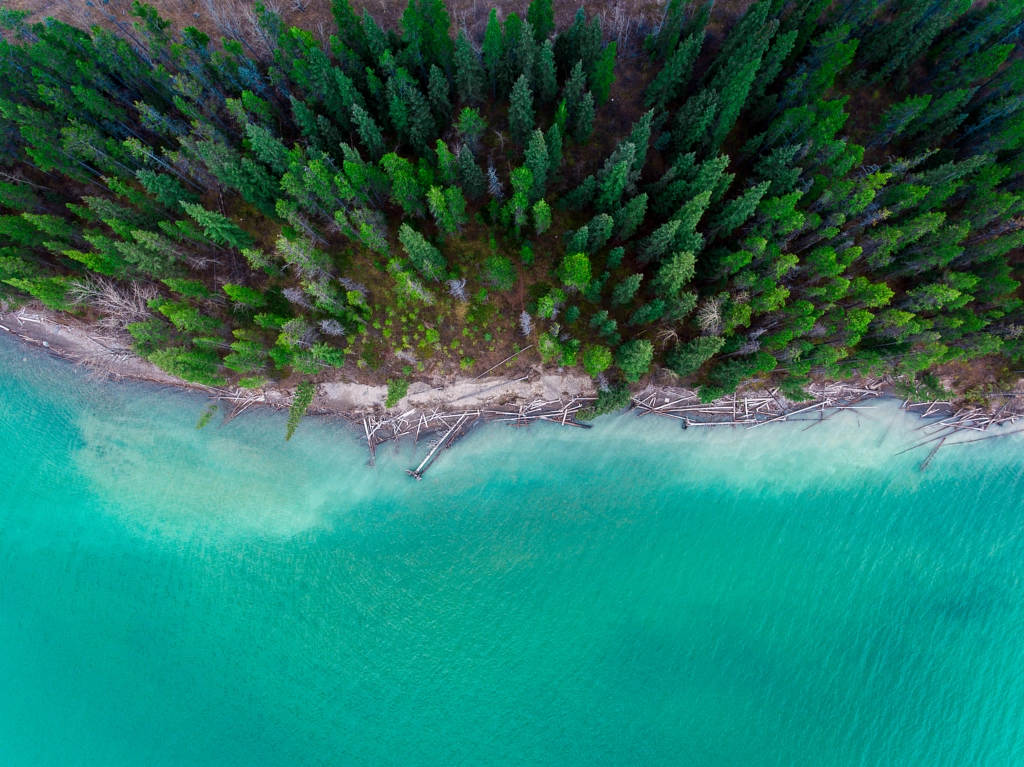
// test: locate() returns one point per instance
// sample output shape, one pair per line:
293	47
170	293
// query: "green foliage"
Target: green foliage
51	291
676	73
369	132
493	50
427	259
500	272
596	359
194	365
604	74
674	274
626	289
246	357
188	318
536	160
470	176
574	271
397	389
187	288
469	72
541	15
206	416
541	216
439	96
217	227
245	296
686	358
634	359
405	186
471	127
520	113
304	394
726	376
608	401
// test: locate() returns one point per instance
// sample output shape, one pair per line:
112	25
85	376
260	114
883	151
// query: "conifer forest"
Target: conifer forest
817	189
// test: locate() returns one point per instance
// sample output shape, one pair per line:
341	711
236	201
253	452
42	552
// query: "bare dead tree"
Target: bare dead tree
120	305
709	316
457	289
332	328
525	323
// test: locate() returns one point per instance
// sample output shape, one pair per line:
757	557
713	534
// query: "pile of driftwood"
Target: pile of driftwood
444	428
754	409
953	421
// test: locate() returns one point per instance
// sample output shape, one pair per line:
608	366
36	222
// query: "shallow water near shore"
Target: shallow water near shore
629	595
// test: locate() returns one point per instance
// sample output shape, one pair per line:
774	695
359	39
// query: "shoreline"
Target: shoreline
446	412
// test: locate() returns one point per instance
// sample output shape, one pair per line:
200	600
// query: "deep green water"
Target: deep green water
632	595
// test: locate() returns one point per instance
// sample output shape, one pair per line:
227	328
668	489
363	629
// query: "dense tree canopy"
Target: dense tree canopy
833	189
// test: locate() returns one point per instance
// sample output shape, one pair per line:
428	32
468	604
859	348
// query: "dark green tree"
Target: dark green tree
520	113
634	359
469	73
541	15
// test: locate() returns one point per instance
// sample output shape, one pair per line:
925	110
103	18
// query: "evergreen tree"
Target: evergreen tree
536	159
584	119
630	216
634	359
648	313
425	28
438	95
596	359
493	50
661	44
471	177
640	137
409	111
553	143
568	42
626	290
456	203
469	73
576	242
604	73
447	163
735	78
368	131
600	231
541	217
405	188
509	68
427	259
574	271
693	122
687	358
675	75
899	117
545	74
471	127
520	113
615	177
541	15
674	273
736	212
350	30
439	210
217	227
579	105
659	242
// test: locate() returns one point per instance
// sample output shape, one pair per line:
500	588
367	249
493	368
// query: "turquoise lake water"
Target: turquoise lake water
631	595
